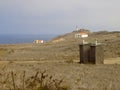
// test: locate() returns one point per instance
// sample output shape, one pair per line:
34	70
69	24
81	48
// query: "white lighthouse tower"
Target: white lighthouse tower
76	28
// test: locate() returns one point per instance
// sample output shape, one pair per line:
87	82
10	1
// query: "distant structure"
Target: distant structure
77	29
38	41
91	53
81	35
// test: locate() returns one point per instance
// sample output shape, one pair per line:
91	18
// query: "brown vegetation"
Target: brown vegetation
60	59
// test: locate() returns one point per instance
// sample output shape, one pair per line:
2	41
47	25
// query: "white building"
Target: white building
38	41
81	35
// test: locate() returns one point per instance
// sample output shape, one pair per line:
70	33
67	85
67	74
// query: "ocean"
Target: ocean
19	39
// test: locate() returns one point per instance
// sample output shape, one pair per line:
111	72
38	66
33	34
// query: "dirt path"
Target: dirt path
46	61
106	61
112	61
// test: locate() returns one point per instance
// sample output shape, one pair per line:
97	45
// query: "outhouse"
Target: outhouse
96	54
91	53
84	53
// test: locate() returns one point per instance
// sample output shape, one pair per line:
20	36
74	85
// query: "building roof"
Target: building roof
83	33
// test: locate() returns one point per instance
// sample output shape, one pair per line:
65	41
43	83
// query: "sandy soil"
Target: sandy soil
112	60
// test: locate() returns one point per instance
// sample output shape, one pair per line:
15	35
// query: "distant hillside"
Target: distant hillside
62	48
111	40
69	36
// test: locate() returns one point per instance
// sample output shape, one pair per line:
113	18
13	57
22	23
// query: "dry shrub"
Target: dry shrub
39	81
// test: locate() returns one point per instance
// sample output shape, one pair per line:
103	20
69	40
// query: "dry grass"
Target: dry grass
59	59
63	50
20	81
74	76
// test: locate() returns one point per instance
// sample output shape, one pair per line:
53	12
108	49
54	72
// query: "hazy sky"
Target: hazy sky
58	16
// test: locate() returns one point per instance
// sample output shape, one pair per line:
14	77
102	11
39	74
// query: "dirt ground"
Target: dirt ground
112	60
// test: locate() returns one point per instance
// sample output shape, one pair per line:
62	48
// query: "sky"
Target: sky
58	16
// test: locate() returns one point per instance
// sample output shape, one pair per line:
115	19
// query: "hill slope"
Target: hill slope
61	48
110	40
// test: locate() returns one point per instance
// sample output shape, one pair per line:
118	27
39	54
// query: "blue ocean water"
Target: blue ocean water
18	39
